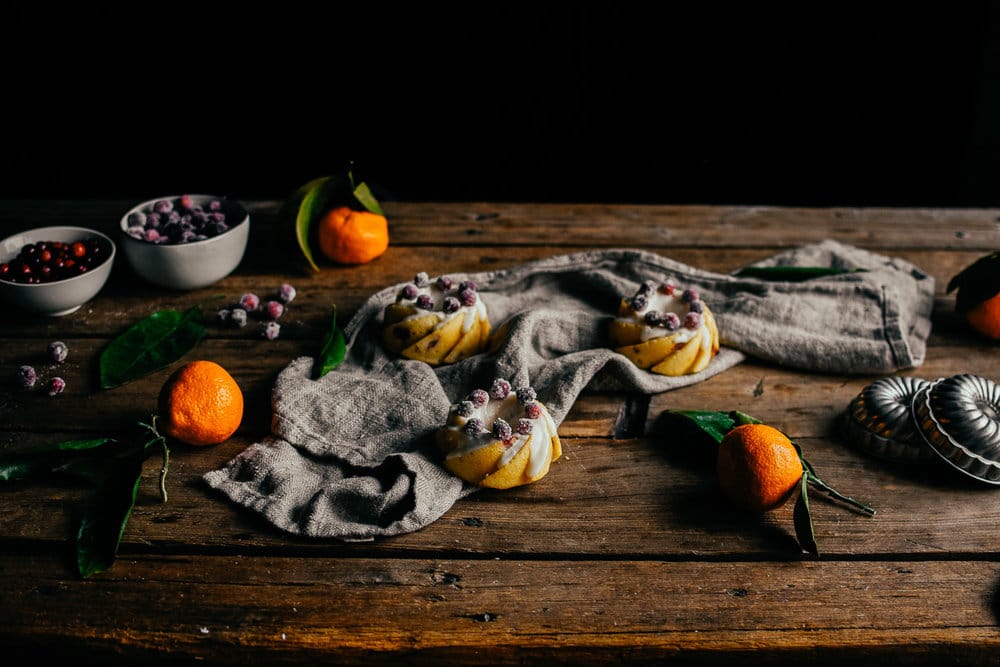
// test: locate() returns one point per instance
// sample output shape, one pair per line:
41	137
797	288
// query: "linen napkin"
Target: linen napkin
350	455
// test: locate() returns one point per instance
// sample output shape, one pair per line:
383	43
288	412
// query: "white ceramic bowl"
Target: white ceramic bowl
192	264
59	297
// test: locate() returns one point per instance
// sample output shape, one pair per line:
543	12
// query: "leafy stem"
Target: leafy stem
162	441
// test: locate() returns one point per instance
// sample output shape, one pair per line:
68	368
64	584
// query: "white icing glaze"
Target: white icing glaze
657	301
472	313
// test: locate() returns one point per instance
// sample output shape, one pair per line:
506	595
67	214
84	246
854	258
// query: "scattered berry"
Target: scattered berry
425	302
692	320
421	279
526	395
444	283
502	430
690	295
451	304
271	330
286	293
465	408
409	291
533	410
524	426
500	389
479	397
238	317
58	351
49	261
274	309
474	426
672	322
27	376
653	318
467	297
224	315
56	386
250	302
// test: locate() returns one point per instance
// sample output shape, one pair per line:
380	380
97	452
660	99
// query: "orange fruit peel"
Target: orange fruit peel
200	404
346	236
758	467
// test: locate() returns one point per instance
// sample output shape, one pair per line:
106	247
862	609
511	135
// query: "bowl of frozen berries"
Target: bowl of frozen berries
54	270
185	242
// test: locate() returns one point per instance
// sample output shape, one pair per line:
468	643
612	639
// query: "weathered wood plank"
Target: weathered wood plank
273	610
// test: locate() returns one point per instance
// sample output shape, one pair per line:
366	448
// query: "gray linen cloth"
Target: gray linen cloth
350	455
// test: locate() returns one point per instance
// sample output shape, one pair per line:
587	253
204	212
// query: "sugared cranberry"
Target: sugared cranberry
250	302
451	304
533	410
444	283
467	284
524	426
274	309
474	426
271	330
409	291
697	306
672	322
425	302
526	395
468	297
286	293
502	430
692	320
465	408
479	397
653	318
56	386
421	279
690	295
58	351
26	376
639	302
500	389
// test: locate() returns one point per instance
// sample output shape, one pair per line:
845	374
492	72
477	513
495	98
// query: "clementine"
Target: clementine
978	298
758	467
200	404
347	236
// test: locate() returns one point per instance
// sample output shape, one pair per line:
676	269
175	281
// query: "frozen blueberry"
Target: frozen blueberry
526	395
697	306
58	351
451	304
250	302
163	206
56	386
274	309
533	410
479	397
500	389
238	317
271	330
474	426
467	297
671	321
421	279
465	408
425	302
27	376
444	283
286	293
692	320
409	291
653	318
690	295
502	430
524	426
136	219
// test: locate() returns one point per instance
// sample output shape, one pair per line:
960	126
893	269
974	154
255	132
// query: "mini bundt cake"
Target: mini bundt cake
436	321
665	330
499	438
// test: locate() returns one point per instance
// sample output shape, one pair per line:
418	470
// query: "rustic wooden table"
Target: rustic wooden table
625	552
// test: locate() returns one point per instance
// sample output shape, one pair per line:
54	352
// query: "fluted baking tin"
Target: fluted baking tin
879	422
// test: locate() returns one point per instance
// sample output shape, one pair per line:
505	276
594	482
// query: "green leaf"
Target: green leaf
367	199
315	195
106	515
150	344
791	273
332	351
802	518
44	460
715	424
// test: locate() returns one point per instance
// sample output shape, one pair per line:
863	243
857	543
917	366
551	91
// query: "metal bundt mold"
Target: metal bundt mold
879	421
959	417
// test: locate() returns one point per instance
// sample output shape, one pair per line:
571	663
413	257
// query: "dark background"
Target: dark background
814	104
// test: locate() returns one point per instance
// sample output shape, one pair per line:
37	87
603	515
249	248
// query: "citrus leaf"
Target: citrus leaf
367	199
107	513
332	351
150	344
44	460
791	273
313	203
714	424
802	518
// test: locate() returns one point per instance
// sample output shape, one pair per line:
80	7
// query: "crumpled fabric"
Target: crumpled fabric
350	455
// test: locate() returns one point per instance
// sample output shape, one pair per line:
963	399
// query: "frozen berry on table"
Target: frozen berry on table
502	430
224	315
249	302
672	321
479	397
500	389
56	386
58	351
274	309
27	376
238	317
286	293
533	410
526	395
524	426
271	330
692	320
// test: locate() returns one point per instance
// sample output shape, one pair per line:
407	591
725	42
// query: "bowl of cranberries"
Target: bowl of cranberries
185	242
54	270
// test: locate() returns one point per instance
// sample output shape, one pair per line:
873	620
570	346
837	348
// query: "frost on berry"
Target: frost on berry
639	302
249	302
271	330
444	283
274	309
465	408
697	306
533	410
58	351
500	389
653	318
667	288
502	430
672	322
451	304
474	426
409	291
425	302
526	395
27	376
286	293
421	279
467	284
690	295
467	297
223	315
479	397
646	287
56	386
524	426
238	317
692	320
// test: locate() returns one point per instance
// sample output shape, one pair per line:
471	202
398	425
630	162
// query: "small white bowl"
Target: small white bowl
192	264
59	297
